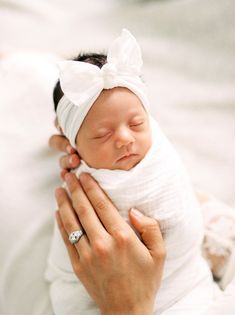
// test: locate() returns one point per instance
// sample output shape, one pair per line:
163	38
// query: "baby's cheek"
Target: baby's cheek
105	155
99	157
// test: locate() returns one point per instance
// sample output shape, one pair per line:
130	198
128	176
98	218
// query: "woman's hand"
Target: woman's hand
120	272
60	143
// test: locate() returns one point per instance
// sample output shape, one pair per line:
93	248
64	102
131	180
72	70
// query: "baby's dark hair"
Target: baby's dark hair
96	59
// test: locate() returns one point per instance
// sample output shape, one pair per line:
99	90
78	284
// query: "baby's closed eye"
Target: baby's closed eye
136	124
101	135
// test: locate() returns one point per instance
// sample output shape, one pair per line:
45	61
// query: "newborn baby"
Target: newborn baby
103	111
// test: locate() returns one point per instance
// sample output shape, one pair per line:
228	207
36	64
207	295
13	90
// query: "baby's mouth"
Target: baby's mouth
126	157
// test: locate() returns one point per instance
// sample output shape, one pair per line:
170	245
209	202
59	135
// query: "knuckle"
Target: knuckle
122	237
77	269
69	227
161	253
86	258
101	204
101	249
80	209
152	225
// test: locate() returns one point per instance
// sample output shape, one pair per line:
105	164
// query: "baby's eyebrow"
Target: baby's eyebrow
136	115
99	130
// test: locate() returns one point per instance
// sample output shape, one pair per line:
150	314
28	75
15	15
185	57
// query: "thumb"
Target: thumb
150	233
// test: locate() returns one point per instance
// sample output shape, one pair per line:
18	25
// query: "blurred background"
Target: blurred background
188	49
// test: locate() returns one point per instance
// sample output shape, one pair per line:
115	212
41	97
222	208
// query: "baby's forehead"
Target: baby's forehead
113	106
126	114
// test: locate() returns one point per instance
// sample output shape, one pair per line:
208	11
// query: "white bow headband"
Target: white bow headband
82	82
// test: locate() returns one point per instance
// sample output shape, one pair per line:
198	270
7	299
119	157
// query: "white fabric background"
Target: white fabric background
188	49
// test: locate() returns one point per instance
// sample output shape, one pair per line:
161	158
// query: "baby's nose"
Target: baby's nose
124	137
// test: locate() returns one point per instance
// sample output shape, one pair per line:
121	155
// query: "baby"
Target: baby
103	111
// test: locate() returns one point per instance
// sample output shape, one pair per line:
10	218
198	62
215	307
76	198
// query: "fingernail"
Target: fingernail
71	160
69	149
136	213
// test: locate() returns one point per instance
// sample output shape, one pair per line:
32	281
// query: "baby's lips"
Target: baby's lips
126	155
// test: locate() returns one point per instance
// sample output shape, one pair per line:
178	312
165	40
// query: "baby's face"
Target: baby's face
115	133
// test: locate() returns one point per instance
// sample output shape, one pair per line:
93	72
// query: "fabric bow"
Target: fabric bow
83	82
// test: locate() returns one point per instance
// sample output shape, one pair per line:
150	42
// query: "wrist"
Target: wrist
137	311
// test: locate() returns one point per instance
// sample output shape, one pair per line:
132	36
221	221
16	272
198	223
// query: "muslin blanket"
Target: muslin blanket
159	187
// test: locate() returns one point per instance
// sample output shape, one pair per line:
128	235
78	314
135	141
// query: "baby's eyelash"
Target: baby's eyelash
135	125
101	136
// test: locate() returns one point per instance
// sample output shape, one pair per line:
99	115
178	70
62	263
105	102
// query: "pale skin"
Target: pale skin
116	133
116	128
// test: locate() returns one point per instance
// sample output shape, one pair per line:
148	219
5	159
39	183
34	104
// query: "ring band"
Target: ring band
75	236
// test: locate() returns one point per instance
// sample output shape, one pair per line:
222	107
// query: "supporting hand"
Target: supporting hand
121	272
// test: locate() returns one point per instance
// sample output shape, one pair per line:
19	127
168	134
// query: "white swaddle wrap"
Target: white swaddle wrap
159	187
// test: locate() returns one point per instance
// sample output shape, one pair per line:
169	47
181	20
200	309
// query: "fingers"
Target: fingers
150	233
67	214
61	143
63	173
68	219
82	206
103	206
73	254
69	161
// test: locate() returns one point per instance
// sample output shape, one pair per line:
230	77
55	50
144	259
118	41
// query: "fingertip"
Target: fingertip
58	192
136	213
51	142
75	160
69	149
135	219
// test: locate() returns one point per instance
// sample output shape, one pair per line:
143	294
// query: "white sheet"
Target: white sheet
188	49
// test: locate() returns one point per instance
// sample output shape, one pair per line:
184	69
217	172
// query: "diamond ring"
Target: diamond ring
75	236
